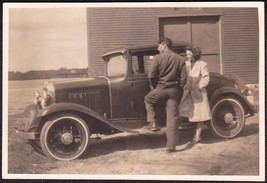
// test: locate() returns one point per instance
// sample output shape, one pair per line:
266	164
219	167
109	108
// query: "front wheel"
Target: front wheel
228	118
65	137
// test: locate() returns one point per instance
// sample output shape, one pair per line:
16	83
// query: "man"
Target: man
167	77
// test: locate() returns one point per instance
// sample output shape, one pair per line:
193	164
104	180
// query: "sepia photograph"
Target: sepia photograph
133	91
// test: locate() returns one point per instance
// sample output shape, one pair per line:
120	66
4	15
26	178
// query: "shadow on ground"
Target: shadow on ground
156	140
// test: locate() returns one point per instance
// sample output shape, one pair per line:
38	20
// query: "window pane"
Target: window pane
117	66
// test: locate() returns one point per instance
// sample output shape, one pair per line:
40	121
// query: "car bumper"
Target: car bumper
29	129
27	135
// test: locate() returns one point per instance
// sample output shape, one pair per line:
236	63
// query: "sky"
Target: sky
47	38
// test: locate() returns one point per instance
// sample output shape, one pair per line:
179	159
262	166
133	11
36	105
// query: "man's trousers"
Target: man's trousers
171	96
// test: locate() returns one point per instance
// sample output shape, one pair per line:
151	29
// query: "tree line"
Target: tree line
48	74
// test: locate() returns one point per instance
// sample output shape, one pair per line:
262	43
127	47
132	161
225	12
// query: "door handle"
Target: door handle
132	85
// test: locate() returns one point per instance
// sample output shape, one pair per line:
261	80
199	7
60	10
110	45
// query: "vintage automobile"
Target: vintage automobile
68	112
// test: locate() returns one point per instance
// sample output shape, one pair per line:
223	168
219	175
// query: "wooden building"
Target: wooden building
228	37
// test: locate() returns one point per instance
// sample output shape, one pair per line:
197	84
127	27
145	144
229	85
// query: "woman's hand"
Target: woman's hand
199	88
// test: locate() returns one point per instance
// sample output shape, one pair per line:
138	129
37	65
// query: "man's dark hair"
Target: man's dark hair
195	50
166	41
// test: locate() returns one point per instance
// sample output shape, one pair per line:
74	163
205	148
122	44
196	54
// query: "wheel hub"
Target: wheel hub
66	138
229	118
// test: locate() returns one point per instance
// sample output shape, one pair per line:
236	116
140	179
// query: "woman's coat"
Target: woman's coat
194	103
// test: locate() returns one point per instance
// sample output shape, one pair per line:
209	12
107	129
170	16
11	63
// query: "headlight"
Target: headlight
37	100
247	92
44	99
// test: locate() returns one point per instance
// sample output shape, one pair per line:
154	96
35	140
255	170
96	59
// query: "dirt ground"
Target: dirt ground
144	154
134	156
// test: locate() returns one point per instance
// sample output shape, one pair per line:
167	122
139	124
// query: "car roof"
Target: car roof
155	46
135	48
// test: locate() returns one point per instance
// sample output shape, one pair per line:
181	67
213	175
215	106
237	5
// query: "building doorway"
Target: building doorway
202	31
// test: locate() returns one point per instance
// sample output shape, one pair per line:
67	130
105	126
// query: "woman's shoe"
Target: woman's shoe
195	141
170	150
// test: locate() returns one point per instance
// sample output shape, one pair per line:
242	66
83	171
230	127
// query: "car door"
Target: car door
120	99
139	89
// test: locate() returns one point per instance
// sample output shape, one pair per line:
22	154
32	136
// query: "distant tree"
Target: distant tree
47	74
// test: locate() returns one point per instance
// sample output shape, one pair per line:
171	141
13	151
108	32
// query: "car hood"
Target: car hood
79	83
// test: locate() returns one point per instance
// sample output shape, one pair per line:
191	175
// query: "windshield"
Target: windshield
116	66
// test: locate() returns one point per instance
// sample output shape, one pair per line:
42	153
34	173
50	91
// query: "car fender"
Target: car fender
230	91
59	107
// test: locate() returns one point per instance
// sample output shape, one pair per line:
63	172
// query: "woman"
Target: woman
194	103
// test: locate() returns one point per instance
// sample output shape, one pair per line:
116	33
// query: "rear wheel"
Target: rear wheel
228	118
65	137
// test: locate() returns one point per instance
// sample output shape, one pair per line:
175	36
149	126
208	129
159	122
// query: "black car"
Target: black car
68	112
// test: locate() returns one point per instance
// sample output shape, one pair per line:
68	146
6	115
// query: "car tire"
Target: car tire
227	118
65	137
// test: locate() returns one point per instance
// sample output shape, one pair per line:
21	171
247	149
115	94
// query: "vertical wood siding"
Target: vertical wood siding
112	27
115	27
241	43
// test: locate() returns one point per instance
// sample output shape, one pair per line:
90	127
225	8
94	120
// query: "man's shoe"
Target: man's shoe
154	129
147	127
170	150
151	127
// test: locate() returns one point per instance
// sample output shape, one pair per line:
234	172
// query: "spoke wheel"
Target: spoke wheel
65	137
228	118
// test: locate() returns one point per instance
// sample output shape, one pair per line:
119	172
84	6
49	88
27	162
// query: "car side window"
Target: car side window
117	66
141	64
148	63
135	65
